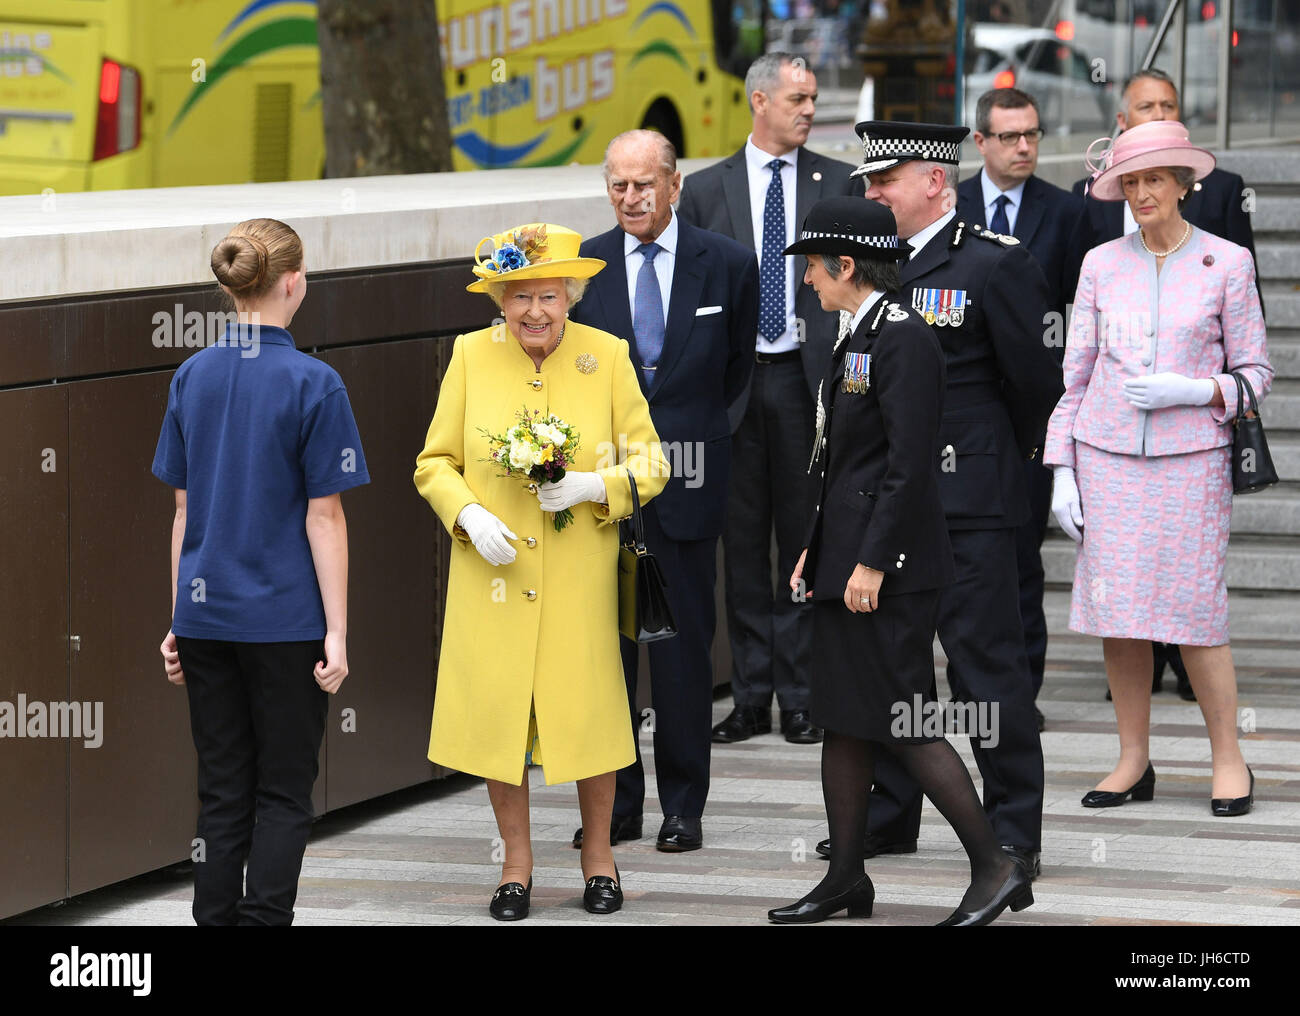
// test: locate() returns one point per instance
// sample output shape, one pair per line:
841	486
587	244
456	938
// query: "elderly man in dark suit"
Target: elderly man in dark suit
686	300
986	299
756	197
1006	197
1216	204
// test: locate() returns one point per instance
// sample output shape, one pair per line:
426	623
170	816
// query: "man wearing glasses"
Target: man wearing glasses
1006	197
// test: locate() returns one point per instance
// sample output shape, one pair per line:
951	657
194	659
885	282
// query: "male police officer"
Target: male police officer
986	298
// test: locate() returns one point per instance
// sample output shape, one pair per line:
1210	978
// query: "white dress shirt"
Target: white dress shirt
664	263
1130	223
991	195
760	178
919	240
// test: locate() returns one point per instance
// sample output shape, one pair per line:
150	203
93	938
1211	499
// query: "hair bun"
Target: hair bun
240	263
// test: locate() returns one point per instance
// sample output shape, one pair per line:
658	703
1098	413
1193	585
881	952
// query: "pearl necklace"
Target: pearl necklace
1164	253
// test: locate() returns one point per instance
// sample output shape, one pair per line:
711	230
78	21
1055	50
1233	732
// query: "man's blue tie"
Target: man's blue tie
648	314
1000	223
771	271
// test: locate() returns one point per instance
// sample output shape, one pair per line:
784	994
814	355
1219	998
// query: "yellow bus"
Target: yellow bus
110	94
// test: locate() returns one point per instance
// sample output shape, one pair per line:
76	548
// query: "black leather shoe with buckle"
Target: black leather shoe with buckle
510	902
603	895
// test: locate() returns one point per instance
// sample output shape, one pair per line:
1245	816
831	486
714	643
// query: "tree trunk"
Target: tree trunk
382	94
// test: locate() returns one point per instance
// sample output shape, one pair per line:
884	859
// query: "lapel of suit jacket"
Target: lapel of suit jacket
807	192
689	271
970	200
931	256
1112	214
609	287
1030	215
1193	209
735	190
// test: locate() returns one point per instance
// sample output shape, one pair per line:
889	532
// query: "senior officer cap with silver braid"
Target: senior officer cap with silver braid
886	144
854	227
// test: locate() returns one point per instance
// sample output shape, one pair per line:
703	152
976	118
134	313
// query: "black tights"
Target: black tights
848	766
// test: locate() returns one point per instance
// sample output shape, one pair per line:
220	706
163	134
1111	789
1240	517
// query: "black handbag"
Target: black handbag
1252	465
643	611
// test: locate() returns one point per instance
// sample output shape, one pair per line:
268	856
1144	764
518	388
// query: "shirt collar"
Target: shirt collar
875	297
919	240
991	191
759	159
273	334
667	240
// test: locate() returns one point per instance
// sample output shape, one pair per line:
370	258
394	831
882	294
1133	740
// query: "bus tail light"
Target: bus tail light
118	127
1005	79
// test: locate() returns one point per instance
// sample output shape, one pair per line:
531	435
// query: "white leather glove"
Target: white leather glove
488	534
573	489
1160	391
1066	505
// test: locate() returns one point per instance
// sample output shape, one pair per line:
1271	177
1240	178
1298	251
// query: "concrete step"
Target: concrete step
1271	512
1285	449
1263	166
1260	617
1279	260
1281	409
1283	353
1282	303
1259	563
1276	213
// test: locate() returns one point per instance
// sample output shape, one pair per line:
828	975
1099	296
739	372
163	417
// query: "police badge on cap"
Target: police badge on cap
886	144
853	227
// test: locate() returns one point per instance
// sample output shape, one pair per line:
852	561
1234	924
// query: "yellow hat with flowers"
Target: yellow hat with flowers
538	250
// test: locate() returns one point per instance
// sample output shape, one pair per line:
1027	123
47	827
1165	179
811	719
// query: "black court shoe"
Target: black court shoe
1143	790
858	899
510	901
603	895
1015	893
1227	807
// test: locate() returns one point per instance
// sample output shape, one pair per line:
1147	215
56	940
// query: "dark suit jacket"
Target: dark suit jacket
1216	208
879	503
717	198
1044	223
1003	379
705	364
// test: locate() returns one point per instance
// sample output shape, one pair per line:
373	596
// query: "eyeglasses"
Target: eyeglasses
1009	138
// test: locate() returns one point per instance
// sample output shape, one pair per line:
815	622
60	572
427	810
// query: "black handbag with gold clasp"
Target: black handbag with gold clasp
643	611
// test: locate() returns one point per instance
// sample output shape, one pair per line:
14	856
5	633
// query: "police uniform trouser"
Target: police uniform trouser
980	630
258	717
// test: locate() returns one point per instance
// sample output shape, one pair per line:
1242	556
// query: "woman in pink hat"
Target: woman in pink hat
1140	446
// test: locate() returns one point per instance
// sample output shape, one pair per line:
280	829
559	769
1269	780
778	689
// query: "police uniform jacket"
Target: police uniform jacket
1003	378
879	478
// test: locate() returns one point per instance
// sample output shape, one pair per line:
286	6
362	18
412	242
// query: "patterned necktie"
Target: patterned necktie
1000	223
771	270
648	313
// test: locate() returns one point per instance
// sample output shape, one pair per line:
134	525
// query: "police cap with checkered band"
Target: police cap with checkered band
853	227
886	144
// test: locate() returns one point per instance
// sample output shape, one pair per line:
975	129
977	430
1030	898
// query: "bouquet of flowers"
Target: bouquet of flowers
538	447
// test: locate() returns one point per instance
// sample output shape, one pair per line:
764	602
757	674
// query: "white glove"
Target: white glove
1066	505
488	534
1160	391
573	488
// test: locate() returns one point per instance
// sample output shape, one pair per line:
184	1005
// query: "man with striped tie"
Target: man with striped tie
757	196
686	300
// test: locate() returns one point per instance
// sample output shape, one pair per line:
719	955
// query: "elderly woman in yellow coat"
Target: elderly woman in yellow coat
530	667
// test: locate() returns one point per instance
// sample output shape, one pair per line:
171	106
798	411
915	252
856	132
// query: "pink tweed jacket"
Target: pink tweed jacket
1203	319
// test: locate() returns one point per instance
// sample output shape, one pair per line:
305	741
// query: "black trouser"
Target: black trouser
771	636
681	680
1029	558
979	628
258	717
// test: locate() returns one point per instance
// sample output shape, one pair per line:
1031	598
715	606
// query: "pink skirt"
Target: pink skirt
1155	544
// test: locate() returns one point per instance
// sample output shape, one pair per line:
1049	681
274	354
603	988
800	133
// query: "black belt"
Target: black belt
777	357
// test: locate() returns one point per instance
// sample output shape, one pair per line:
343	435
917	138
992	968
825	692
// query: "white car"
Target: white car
1058	75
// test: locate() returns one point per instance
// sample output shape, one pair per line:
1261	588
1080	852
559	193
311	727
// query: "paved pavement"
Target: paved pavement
424	856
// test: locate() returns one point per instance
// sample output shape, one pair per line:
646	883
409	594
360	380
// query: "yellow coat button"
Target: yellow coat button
531	541
531	593
532	488
537	384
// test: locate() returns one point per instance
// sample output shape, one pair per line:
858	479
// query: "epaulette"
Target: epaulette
1002	238
958	235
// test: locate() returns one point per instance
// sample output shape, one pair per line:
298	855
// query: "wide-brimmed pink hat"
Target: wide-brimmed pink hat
1156	143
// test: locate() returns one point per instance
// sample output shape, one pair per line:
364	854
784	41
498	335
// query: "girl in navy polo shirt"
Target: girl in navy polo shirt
259	442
